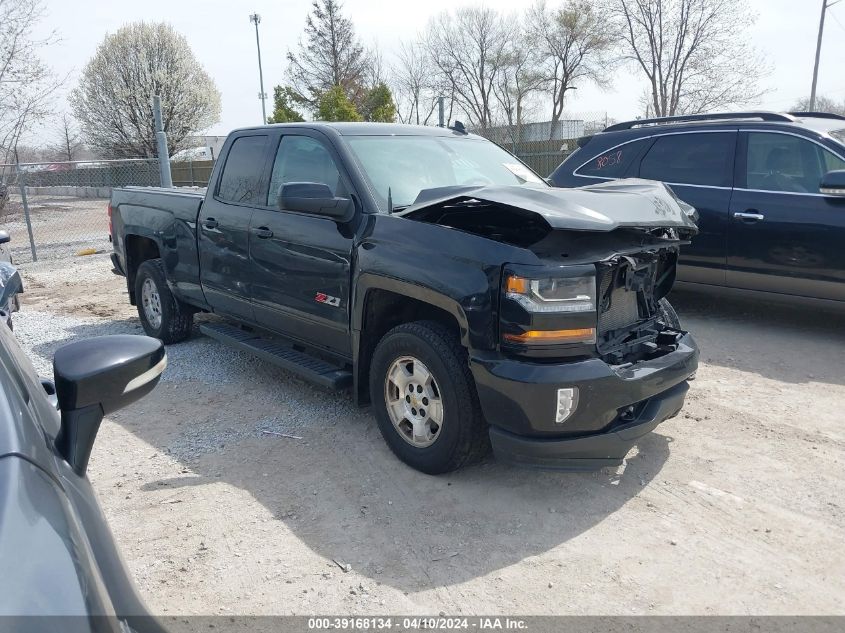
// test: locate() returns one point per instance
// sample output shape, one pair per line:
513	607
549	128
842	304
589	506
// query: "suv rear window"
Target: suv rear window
613	163
690	159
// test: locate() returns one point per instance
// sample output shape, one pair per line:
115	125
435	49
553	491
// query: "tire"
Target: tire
461	436
175	319
668	314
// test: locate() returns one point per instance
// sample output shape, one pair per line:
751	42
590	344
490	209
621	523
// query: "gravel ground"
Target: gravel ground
236	488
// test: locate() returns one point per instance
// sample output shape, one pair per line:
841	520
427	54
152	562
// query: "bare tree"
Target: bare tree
330	55
823	104
68	145
468	48
574	42
695	54
414	88
520	78
26	84
113	100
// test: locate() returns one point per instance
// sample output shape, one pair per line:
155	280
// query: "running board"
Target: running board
304	365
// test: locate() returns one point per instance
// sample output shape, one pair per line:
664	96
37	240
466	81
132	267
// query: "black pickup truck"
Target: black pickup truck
455	291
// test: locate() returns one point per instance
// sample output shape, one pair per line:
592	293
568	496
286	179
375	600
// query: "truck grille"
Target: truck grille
620	308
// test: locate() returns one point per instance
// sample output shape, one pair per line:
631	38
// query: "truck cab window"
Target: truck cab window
302	159
241	178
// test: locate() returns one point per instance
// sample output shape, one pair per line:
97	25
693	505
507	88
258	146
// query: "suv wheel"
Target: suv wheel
425	400
162	315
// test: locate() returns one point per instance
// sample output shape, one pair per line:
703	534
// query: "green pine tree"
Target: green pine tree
334	105
284	98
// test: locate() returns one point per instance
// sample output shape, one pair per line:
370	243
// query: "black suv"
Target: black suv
769	188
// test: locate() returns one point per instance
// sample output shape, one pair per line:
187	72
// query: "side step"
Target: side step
309	367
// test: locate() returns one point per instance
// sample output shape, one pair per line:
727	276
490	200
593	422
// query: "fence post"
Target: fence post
161	139
441	111
22	184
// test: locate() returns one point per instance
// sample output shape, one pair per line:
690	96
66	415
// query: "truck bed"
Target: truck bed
182	202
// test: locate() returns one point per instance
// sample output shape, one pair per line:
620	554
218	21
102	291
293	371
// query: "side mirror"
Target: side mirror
314	198
10	285
833	183
5	238
95	377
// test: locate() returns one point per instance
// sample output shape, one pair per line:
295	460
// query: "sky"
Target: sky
223	40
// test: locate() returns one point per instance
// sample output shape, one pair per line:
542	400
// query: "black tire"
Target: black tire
176	317
463	436
668	314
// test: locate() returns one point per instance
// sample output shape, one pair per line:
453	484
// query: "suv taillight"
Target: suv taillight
110	231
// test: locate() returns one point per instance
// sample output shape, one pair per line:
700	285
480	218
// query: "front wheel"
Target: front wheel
163	316
425	400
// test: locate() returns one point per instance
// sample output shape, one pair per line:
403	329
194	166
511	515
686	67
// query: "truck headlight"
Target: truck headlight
560	304
553	294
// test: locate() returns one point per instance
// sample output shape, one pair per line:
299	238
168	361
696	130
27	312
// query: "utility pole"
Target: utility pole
256	19
161	141
826	4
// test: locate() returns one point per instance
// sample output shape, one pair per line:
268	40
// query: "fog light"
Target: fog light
567	401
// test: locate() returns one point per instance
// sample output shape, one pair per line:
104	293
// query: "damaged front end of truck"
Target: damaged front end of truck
590	355
630	232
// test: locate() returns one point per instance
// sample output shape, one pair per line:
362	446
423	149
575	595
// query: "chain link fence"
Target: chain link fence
58	210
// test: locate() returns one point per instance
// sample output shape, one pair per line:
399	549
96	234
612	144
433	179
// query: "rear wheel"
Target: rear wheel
162	315
424	398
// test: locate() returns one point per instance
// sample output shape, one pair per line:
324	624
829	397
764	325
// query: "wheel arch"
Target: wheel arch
139	248
381	304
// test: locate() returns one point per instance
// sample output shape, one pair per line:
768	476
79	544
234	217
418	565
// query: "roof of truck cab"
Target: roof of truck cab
368	129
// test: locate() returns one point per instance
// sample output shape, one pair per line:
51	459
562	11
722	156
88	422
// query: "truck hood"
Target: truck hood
606	206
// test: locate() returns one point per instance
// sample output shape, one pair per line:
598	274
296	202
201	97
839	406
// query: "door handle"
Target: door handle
210	223
262	232
751	217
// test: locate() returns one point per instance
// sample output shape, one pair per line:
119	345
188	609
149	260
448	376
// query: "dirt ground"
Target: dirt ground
733	507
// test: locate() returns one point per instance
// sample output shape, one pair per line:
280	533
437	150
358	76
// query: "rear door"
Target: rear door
300	264
223	226
699	168
785	236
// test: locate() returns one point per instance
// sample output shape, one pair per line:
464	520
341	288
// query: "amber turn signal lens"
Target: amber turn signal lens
578	335
516	285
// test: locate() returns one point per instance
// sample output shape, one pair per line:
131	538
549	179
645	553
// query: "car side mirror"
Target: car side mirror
5	238
833	183
95	377
314	198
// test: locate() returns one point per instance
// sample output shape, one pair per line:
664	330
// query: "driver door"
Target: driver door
301	263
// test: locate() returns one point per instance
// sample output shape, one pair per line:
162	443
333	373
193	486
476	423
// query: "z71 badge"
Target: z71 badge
322	297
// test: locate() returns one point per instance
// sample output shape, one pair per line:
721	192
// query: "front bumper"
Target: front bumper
616	406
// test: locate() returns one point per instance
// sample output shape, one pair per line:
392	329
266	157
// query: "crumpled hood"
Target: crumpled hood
605	206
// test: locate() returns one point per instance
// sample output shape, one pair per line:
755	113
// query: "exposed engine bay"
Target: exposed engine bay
631	230
631	325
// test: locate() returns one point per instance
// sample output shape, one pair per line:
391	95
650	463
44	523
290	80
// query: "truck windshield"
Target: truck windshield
405	165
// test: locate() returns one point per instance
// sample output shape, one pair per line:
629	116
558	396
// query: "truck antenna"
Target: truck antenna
389	201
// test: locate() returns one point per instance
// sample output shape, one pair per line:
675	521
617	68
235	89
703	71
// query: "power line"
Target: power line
835	19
